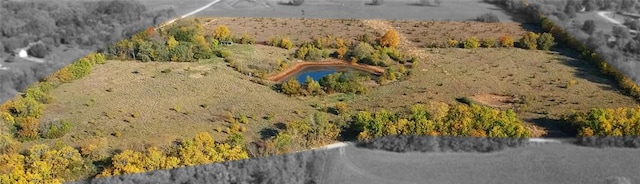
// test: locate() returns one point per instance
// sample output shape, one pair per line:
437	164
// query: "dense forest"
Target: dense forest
47	28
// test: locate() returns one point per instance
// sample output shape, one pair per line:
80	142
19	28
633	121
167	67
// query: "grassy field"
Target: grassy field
551	163
540	85
132	104
418	32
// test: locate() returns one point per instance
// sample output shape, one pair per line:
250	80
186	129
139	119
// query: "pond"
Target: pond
317	72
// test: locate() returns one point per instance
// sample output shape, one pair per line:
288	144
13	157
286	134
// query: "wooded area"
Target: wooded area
56	26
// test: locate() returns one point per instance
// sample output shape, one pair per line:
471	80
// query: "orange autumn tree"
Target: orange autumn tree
390	39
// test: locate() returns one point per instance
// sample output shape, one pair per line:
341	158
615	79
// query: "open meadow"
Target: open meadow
130	104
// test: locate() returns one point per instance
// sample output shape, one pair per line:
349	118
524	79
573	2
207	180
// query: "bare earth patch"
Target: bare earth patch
494	100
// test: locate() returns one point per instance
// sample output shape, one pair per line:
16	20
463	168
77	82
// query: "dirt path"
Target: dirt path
334	62
382	27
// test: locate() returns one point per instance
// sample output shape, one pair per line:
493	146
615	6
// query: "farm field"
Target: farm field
458	10
131	104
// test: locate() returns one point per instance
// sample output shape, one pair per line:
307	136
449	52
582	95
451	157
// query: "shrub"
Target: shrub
529	41
222	33
236	139
285	43
362	50
545	41
39	50
94	148
390	39
8	145
506	41
55	129
488	17
488	42
417	143
275	41
243	119
453	43
589	27
291	87
247	39
27	127
341	52
471	43
342	107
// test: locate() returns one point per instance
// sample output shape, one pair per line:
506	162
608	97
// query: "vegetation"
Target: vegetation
390	39
420	143
458	120
488	17
471	43
506	41
202	149
607	122
529	41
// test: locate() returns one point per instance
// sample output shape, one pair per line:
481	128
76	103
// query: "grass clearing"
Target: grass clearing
155	108
155	103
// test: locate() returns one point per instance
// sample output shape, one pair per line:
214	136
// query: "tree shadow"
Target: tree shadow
268	132
556	128
585	69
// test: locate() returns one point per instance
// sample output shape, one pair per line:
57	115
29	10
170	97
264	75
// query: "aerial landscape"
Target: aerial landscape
337	91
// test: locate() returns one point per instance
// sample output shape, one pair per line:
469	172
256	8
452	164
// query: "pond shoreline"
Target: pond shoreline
300	65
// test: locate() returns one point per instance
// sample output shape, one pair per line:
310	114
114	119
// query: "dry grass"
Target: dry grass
155	108
537	79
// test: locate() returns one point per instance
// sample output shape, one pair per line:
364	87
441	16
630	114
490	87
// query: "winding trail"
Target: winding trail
604	16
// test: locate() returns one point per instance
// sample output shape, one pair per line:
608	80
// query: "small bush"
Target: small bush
545	41
285	43
56	129
488	17
38	50
291	87
453	43
247	39
506	41
27	127
94	149
471	43
488	42
223	53
529	41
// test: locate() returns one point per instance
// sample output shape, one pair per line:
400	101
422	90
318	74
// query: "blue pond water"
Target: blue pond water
316	73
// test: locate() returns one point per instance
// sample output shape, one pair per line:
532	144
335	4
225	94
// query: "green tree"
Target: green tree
529	41
471	43
312	86
545	41
291	87
222	33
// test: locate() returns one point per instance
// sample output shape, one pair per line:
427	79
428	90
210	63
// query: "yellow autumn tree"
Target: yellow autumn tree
171	42
222	33
390	39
